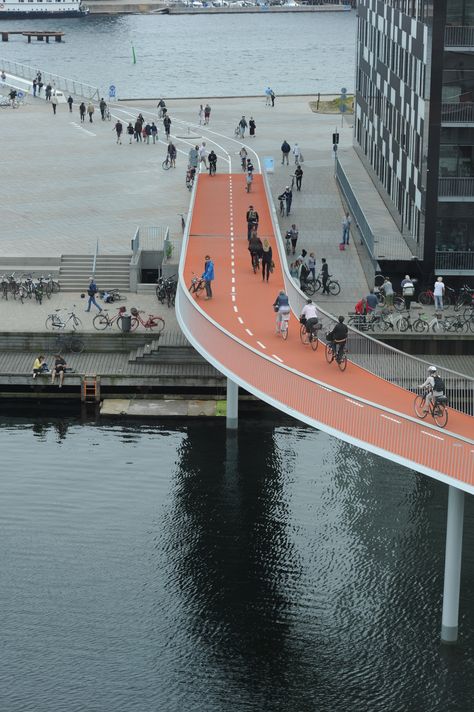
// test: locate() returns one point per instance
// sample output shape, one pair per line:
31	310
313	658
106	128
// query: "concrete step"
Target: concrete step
112	272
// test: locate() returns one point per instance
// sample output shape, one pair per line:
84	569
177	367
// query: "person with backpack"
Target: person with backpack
408	291
252	221
303	275
434	386
285	152
242	125
91	292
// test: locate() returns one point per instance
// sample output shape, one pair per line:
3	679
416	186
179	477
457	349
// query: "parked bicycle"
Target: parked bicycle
150	323
465	297
426	296
437	409
103	321
68	342
56	321
166	290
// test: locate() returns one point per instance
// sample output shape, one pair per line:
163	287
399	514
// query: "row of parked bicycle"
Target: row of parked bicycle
28	287
458	299
385	320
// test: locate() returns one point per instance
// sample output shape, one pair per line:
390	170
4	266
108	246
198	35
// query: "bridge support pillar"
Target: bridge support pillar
452	565
232	419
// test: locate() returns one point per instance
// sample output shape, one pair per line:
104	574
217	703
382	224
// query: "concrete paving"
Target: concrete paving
70	183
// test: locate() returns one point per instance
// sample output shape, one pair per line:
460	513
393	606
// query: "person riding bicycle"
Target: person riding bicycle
252	220
256	250
434	386
309	317
281	306
212	158
338	337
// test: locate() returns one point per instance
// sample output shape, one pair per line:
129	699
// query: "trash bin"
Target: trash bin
126	323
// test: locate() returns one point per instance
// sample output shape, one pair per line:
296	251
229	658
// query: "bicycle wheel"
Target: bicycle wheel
403	324
440	414
334	287
419	404
420	326
51	323
379	280
304	336
329	353
284	329
309	288
134	322
76	345
399	303
314	342
76	323
384	324
101	322
425	298
158	324
317	285
342	362
48	290
161	294
55	287
166	165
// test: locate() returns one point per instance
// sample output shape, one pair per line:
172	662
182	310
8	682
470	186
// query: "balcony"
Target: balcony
461	113
453	263
456	189
459	38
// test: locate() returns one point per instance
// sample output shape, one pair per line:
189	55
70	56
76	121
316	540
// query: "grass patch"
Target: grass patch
332	106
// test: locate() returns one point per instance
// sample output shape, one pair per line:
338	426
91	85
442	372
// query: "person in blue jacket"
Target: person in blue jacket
208	275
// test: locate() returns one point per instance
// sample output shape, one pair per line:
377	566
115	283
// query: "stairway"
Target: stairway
112	272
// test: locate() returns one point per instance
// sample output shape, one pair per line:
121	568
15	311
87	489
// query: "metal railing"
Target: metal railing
456	187
68	86
361	221
458	36
456	261
461	112
151	238
380	359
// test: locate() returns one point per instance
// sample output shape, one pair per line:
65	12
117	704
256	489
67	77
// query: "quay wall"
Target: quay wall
103	7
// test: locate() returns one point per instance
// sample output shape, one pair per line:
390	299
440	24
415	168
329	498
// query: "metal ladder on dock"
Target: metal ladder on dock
90	388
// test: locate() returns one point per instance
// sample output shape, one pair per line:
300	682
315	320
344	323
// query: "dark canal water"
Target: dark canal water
146	567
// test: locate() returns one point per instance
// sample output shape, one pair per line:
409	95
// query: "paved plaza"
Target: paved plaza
70	184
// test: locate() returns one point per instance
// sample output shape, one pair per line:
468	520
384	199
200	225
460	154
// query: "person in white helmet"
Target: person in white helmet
434	386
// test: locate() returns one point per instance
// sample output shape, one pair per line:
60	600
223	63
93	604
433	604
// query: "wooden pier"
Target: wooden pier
40	35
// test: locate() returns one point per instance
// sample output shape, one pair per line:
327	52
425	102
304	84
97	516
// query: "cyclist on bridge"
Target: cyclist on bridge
309	316
338	337
281	306
434	386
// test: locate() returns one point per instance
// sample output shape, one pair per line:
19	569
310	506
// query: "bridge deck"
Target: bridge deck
286	372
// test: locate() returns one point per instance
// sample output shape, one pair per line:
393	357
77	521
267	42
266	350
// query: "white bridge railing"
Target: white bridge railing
67	86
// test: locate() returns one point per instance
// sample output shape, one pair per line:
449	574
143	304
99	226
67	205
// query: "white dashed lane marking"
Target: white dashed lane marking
236	309
277	358
240	319
262	346
387	417
249	332
349	400
431	435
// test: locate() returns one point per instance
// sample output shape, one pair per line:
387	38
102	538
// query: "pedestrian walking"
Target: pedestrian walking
201	115
194	157
147	132
203	154
346	228
243	158
54	103
311	262
102	107
118	128
154	131
172	154
212	163
325	275
208	276
242	126
438	293
252	127
138	130
82	111
40	86
167	126
285	151
48	91
161	106
387	289
90	111
207	114
288	199
292	234
268	100
408	291
272	97
130	131
91	292
298	176
35	84
70	102
266	260
296	153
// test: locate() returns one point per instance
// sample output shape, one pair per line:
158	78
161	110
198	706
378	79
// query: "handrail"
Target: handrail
381	359
70	86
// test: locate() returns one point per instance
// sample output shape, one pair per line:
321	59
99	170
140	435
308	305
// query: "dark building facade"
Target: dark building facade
414	122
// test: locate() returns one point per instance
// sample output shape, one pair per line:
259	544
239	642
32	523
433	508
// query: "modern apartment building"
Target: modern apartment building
414	123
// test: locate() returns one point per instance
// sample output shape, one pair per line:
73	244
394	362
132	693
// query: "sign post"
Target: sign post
112	91
342	104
